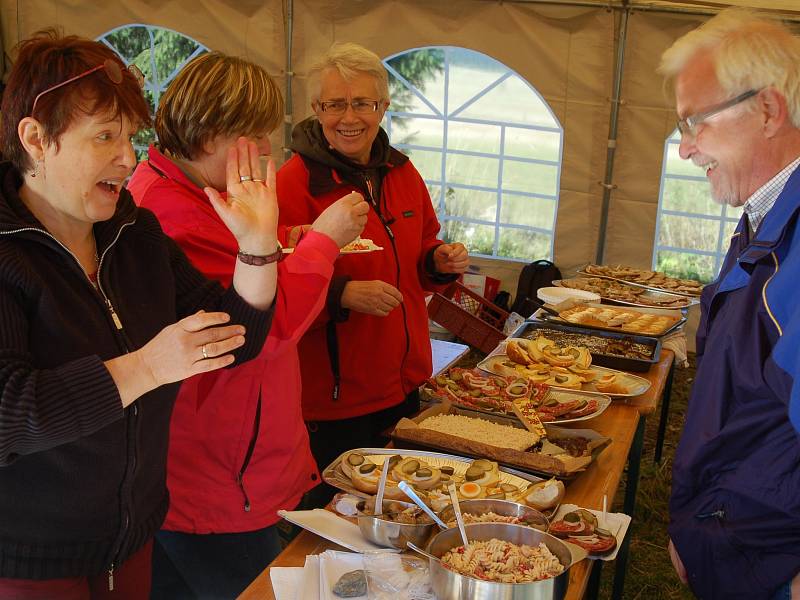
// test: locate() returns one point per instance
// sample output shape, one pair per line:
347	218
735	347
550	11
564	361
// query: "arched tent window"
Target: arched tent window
692	231
160	53
487	145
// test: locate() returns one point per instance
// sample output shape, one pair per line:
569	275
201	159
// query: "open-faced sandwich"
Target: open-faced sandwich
580	527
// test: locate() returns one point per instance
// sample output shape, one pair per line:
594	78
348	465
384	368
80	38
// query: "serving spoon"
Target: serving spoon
381	488
419	550
457	511
409	491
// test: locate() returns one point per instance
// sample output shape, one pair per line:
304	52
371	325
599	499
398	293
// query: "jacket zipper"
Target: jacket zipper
376	206
250	449
125	345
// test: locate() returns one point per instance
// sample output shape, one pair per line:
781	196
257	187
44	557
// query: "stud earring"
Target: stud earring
36	167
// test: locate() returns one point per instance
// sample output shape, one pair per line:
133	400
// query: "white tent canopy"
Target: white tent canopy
576	54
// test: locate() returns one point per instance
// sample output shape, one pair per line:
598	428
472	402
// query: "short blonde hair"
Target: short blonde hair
749	51
349	59
215	95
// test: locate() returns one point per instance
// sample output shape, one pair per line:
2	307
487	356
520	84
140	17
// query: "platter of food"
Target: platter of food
357	471
599	534
561	453
613	349
649	279
564	367
618	292
465	388
632	320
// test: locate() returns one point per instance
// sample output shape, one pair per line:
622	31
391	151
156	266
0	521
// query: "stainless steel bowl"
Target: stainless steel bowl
393	535
449	585
507	508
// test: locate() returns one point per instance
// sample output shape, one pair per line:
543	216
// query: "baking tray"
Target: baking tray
638	365
554	432
334	476
543	316
582	272
682	300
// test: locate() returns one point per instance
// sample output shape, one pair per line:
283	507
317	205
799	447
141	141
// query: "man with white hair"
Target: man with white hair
735	505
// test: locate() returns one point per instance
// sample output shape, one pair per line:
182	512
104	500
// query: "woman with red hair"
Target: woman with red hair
99	313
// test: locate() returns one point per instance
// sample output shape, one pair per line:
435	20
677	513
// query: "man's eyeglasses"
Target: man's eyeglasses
339	107
112	69
688	126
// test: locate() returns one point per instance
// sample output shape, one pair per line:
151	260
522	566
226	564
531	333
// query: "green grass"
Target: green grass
650	574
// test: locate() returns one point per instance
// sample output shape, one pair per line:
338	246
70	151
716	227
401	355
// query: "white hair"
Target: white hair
749	52
349	60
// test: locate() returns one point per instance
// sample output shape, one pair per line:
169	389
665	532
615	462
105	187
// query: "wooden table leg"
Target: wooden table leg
662	422
634	462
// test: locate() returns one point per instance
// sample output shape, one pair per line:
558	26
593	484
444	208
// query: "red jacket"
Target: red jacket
231	466
380	359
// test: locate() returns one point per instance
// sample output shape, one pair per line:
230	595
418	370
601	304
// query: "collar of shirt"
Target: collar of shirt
757	206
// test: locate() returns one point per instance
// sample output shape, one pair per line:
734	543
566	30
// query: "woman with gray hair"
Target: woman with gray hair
369	350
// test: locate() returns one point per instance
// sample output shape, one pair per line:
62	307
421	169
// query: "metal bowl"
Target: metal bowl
390	534
449	585
507	508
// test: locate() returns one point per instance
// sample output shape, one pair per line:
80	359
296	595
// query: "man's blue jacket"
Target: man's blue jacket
735	505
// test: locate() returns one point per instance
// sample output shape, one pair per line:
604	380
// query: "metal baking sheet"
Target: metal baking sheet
545	317
581	271
684	301
612	361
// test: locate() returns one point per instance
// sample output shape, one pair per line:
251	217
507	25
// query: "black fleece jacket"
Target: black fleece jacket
82	481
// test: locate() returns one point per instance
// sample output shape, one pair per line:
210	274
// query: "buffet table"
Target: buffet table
623	422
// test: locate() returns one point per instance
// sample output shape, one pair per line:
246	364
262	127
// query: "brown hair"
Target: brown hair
215	95
47	59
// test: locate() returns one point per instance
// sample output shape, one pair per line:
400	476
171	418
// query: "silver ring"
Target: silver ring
205	354
243	178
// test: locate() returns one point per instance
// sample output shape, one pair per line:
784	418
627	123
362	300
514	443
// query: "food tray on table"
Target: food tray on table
624	384
649	322
612	349
334	474
466	391
563	453
652	280
618	292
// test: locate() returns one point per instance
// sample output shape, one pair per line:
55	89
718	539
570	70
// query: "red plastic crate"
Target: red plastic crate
469	316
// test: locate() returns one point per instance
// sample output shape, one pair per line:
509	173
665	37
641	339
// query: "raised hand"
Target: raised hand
344	220
375	297
251	208
451	258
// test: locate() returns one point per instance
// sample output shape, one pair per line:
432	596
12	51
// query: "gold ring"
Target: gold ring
205	354
243	178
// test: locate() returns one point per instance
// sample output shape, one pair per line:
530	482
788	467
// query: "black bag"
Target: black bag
535	275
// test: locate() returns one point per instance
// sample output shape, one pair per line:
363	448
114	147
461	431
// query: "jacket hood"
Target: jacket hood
309	141
14	215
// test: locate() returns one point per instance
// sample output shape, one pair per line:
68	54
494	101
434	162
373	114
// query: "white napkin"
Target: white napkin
309	587
286	582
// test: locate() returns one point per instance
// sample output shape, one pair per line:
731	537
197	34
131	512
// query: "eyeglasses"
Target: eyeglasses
339	107
688	126
112	69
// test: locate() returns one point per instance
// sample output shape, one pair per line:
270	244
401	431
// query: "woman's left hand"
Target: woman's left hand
451	258
251	208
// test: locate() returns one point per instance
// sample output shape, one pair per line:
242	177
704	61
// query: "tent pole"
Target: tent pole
287	117
612	137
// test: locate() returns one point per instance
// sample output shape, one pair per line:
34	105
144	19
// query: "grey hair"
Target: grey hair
349	60
749	51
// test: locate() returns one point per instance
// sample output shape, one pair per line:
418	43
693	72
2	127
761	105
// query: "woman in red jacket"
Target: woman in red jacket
370	350
238	448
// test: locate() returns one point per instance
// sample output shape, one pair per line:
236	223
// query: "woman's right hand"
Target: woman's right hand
344	220
199	343
375	297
